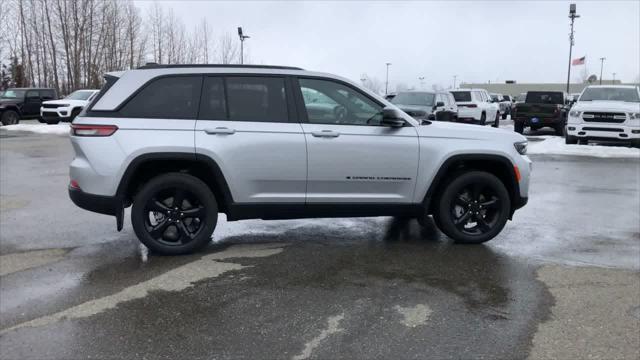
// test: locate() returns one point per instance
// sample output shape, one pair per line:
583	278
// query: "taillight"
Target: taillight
74	184
468	105
93	130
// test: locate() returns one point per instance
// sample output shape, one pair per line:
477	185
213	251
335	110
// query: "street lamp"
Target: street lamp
454	81
573	16
602	59
386	83
421	78
242	39
614	78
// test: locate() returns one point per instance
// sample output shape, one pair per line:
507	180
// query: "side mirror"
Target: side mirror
392	118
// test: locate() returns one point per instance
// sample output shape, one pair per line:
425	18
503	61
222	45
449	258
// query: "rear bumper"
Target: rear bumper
108	205
542	121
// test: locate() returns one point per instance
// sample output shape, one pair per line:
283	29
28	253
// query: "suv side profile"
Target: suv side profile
476	106
23	103
183	143
427	105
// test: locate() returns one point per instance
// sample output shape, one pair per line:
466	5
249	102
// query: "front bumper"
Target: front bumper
604	131
57	114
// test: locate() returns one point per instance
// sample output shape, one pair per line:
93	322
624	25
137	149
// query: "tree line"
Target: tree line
70	44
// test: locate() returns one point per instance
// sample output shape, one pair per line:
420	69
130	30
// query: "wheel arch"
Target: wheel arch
498	165
146	166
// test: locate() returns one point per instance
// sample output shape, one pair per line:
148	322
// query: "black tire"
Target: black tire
476	199
583	141
518	127
483	119
176	231
41	120
559	128
504	115
74	113
496	122
570	140
52	122
10	117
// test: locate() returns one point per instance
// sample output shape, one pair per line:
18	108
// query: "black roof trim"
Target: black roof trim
162	66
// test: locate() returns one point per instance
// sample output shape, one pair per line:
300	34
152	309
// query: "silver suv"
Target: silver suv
182	143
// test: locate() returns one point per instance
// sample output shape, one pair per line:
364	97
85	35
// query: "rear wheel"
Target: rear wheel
483	119
496	122
518	127
473	208
504	115
174	214
10	117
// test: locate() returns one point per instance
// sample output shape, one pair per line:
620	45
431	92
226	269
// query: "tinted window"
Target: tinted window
461	95
414	98
256	99
329	102
174	97
13	94
47	94
539	97
33	94
213	104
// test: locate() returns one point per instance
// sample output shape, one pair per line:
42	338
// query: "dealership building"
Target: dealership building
512	88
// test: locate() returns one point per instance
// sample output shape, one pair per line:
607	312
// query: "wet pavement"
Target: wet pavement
73	287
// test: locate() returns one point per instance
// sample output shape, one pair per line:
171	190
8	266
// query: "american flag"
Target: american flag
579	61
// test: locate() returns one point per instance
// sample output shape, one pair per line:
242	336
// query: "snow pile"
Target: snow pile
556	146
57	129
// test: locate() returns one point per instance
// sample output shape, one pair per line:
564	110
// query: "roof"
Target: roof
31	88
614	86
242	66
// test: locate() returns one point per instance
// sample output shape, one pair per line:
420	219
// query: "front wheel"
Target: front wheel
570	140
10	117
473	208
174	214
518	127
483	119
496	122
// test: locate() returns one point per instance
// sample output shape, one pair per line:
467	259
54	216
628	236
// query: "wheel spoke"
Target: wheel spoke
482	224
462	220
158	231
185	235
158	206
491	203
197	212
461	201
178	198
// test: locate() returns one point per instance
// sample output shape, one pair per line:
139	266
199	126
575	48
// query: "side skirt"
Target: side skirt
303	211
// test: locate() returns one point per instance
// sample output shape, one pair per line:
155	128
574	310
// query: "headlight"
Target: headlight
574	113
521	147
633	116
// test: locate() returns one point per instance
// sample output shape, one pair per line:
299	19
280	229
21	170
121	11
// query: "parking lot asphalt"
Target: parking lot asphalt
561	281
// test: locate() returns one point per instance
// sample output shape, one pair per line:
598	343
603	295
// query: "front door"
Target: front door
247	127
31	105
352	158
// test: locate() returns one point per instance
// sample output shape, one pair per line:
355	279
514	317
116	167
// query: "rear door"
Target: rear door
246	125
352	158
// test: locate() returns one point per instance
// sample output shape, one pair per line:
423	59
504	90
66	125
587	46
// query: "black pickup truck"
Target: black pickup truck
541	109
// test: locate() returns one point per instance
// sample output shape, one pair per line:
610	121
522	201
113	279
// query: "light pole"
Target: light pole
602	59
421	78
363	79
454	81
242	39
614	79
386	83
573	16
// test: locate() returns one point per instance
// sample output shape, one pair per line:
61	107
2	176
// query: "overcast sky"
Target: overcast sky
478	41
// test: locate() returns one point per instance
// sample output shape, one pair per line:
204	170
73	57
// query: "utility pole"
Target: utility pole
386	83
242	39
602	59
454	81
614	79
573	16
421	78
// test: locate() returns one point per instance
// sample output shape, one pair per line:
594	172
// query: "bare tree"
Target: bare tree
227	49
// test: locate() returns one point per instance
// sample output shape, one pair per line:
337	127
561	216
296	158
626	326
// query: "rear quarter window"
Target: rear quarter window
171	97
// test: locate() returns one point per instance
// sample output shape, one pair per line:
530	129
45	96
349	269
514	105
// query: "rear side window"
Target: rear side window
461	95
173	97
256	99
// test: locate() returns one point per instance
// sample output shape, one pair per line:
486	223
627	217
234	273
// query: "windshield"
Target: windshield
539	97
610	94
461	95
495	97
13	94
80	95
414	98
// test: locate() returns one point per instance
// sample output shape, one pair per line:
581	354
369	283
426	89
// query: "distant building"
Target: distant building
515	88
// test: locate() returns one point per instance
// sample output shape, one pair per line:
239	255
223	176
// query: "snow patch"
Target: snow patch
556	146
56	129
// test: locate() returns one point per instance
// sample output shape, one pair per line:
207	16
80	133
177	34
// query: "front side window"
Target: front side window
33	94
13	94
329	102
257	98
173	97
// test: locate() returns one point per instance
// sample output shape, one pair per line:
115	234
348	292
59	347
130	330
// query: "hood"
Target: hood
66	101
608	106
468	131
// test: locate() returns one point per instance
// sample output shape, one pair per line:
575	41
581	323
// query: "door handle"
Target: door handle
325	133
220	131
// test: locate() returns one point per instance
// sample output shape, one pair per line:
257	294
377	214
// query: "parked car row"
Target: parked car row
40	103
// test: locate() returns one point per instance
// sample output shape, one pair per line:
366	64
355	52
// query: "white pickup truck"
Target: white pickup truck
605	112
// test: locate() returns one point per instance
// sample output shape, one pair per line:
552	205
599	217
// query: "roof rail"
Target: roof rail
163	66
